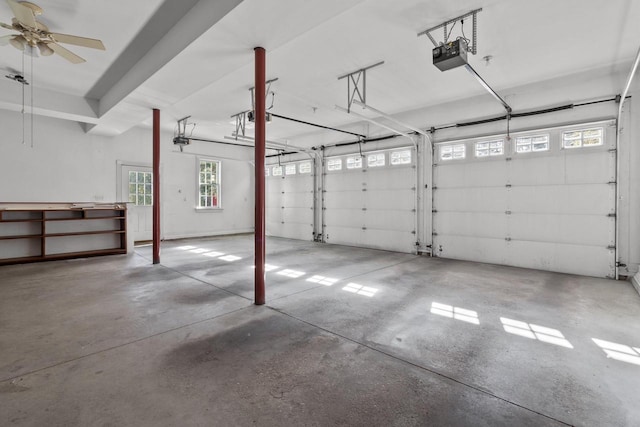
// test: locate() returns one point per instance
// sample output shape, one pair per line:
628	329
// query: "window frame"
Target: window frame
338	161
306	163
144	183
399	151
531	136
488	149
582	131
290	169
452	145
377	154
218	184
354	162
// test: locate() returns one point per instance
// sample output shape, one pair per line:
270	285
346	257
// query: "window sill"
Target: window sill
208	210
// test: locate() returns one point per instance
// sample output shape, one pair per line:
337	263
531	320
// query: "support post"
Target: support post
156	186
260	142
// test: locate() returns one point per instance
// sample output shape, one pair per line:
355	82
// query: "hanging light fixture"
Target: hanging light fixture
19	42
45	50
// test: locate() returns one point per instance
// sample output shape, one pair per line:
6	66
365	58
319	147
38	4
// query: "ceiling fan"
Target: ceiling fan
33	33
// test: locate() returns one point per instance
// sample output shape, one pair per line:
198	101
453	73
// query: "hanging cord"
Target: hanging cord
360	148
464	37
23	89
32	83
451	29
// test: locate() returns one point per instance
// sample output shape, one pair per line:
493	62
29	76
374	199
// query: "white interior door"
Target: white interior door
136	188
549	205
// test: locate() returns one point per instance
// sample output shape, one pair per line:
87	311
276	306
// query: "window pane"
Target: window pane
132	198
140	189
147	189
290	169
132	189
147	200
334	164
375	160
277	171
140	200
147	177
140	177
354	162
305	167
132	177
401	157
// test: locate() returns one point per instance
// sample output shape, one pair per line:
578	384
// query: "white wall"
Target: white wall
67	165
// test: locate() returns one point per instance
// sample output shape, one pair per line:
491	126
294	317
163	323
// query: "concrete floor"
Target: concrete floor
381	339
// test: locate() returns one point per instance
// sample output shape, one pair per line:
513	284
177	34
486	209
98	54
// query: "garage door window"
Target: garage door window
334	164
290	169
490	148
354	162
583	138
529	144
401	157
451	152
305	167
277	171
375	160
266	171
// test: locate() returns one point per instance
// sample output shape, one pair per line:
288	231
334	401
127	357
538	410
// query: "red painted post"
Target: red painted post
260	141
156	186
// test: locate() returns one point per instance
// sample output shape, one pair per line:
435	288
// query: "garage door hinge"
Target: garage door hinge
508	239
508	185
613	150
611	182
611	247
282	222
619	264
433	188
364	209
434	211
434	234
283	192
413	188
282	207
507	212
611	215
508	159
364	189
364	228
413	210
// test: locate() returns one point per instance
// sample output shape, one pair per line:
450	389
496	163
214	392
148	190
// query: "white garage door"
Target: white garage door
289	200
544	200
369	200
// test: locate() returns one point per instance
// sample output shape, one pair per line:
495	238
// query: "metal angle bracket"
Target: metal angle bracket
357	85
241	123
473	47
267	93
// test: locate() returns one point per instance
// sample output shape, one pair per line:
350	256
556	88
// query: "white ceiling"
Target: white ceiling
196	57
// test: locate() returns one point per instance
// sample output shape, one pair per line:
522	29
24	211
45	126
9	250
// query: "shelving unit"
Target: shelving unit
31	232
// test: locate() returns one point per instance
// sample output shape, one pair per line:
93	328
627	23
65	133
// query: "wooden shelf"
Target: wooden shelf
23	236
70	223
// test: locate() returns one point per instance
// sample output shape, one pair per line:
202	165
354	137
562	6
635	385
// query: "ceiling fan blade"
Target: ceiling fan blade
7	26
23	14
66	54
78	41
4	40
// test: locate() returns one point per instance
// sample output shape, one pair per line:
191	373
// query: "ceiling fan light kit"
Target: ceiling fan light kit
34	34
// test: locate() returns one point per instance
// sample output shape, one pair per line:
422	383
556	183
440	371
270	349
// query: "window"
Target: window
290	169
490	148
140	188
266	171
354	162
527	144
449	152
401	157
375	160
334	164
583	138
277	170
304	167
209	184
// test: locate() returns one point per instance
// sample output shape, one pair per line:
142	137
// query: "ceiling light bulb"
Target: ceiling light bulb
45	50
18	42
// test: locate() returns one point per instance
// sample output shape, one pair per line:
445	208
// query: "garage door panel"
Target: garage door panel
344	218
347	181
344	200
485	173
297	200
385	199
566	229
563	258
298	215
590	168
344	235
492	251
489	225
391	219
399	241
544	170
379	178
471	199
563	199
297	231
